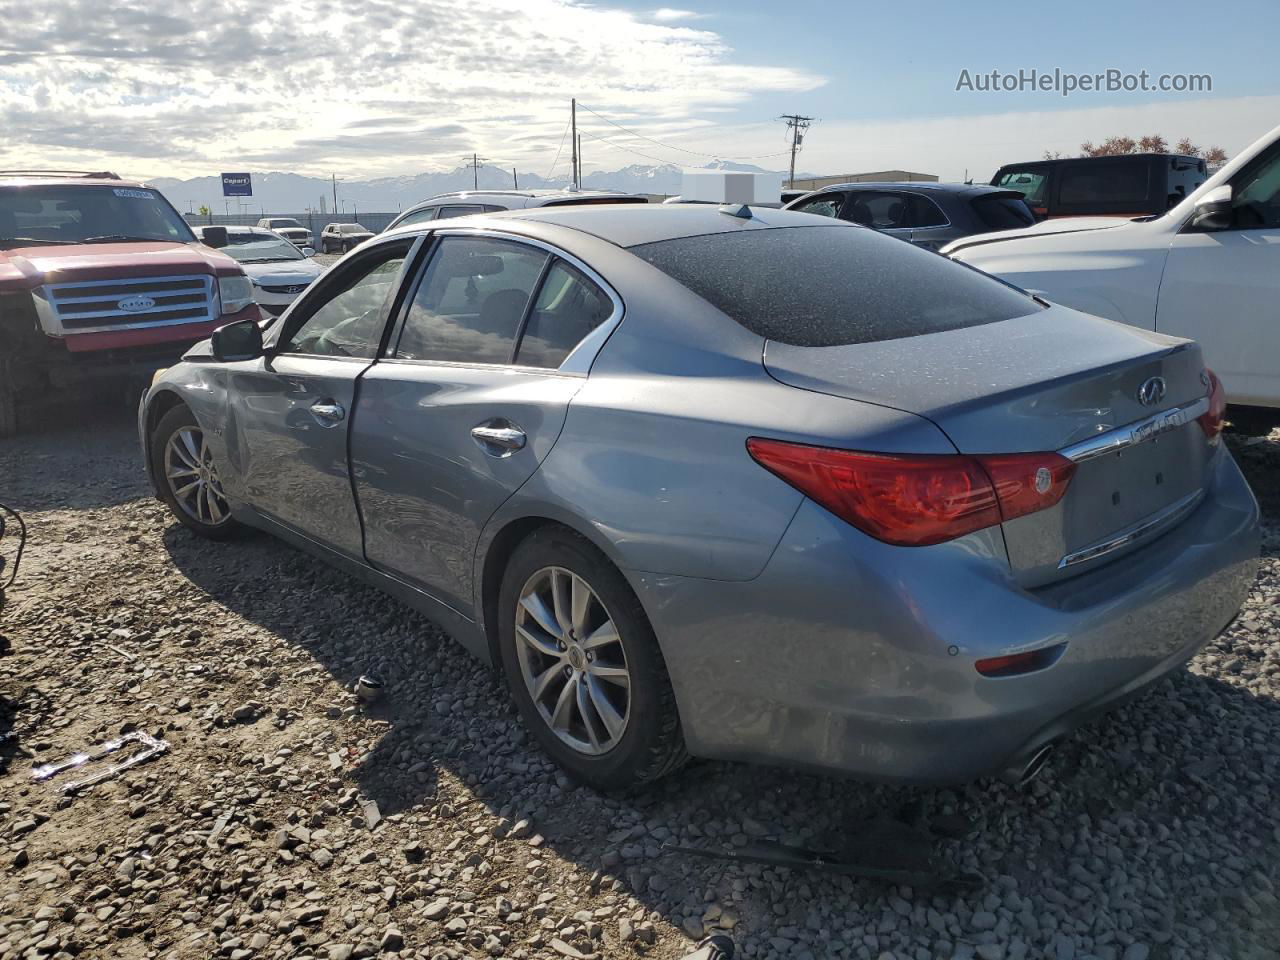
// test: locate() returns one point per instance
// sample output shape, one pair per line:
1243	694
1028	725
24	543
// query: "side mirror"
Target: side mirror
308	251
1213	210
215	237
241	340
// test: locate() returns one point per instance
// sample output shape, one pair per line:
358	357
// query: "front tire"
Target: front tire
583	664
187	477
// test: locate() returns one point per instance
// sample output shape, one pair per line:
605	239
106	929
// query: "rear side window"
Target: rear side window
924	212
1103	182
824	286
1003	213
569	307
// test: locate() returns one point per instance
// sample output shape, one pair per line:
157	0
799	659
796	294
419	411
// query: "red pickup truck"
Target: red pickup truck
100	280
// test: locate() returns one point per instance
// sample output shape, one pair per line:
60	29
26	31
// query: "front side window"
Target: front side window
346	320
826	205
569	306
824	286
1256	199
418	216
471	301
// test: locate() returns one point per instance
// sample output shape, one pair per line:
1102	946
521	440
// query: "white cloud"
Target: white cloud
670	13
370	88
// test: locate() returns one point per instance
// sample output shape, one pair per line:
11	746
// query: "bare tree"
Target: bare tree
1151	143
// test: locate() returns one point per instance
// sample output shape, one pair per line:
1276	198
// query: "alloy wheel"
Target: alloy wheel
193	479
573	661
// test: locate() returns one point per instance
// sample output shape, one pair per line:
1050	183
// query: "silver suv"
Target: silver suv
467	202
341	237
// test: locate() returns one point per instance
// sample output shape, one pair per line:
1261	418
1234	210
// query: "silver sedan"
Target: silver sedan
732	483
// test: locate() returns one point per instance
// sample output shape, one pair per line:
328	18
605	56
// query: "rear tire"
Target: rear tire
187	477
612	735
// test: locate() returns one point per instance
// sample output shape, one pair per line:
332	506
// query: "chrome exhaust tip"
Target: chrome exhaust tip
1022	774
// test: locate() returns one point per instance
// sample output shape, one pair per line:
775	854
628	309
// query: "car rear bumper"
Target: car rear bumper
850	655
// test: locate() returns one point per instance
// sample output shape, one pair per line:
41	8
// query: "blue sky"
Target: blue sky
885	60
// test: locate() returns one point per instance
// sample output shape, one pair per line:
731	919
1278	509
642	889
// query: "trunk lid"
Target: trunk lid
1056	380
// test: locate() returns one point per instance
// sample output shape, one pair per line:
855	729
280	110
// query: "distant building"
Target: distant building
880	176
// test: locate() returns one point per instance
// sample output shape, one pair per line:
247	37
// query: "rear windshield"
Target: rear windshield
1003	213
1029	183
823	286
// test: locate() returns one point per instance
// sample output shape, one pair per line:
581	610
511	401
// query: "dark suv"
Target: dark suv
927	214
1134	185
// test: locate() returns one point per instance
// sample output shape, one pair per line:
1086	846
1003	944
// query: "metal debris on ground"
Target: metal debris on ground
715	947
368	688
150	747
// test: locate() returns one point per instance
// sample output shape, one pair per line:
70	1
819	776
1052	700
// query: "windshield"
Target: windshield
352	228
58	214
277	224
258	248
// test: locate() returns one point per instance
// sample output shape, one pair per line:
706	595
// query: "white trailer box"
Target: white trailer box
725	186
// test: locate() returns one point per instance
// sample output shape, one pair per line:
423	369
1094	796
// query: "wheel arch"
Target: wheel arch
499	541
159	402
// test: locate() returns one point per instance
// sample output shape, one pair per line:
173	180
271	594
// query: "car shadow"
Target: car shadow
1181	754
78	457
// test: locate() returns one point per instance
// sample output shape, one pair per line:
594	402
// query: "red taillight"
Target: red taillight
1212	421
915	500
1013	664
1027	482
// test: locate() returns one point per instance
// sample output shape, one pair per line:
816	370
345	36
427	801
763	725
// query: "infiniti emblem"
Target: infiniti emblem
1151	392
136	304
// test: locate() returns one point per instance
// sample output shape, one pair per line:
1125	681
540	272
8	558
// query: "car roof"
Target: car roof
233	228
966	189
88	180
1116	156
629	225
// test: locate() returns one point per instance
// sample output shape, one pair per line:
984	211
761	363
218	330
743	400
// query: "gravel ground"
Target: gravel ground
289	820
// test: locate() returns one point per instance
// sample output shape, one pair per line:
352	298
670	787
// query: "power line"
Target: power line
647	156
559	151
672	146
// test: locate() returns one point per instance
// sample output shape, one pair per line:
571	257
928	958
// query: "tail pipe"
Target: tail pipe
1022	773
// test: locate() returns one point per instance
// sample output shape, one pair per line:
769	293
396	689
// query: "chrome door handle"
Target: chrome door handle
328	412
507	439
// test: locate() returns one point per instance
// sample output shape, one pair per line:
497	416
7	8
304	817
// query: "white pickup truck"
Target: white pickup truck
1208	270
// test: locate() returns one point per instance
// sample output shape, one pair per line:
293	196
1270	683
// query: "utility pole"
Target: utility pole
797	125
579	161
335	191
475	172
573	145
515	180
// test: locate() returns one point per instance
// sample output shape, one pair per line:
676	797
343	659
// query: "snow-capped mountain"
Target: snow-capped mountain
293	193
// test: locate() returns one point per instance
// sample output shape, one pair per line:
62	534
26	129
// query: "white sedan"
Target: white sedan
278	270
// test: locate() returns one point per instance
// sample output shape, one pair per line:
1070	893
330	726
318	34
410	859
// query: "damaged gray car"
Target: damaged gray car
732	483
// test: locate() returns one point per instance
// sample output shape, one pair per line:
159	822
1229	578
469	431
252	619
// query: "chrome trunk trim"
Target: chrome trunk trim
1135	433
1142	529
